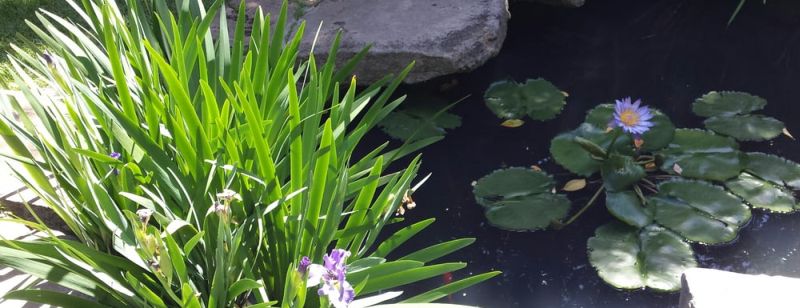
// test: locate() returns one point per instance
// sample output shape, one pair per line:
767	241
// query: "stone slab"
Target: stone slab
709	288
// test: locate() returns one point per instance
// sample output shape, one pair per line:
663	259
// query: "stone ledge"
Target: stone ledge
709	288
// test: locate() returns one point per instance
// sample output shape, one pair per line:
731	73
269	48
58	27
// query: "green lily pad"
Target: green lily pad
528	213
620	172
628	258
572	156
688	140
705	166
773	168
537	98
727	104
511	183
762	194
746	127
699	211
418	123
655	138
627	207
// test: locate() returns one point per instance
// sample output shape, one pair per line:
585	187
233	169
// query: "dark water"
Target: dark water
666	52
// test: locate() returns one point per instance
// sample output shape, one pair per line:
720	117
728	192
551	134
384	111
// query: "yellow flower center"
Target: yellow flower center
629	117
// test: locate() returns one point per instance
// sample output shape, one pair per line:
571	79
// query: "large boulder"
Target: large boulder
442	36
708	288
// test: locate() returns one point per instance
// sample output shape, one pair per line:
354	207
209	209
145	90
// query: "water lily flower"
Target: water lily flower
632	117
332	276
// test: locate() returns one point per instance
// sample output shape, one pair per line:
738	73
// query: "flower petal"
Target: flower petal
315	274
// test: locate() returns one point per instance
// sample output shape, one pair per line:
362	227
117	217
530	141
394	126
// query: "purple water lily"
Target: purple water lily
332	276
632	117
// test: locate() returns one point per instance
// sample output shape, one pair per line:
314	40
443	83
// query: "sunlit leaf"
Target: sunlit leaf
746	127
762	194
727	103
773	168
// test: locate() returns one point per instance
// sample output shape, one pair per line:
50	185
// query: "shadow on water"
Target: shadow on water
667	52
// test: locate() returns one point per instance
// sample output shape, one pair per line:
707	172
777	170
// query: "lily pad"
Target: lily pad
628	258
627	207
620	172
511	183
773	168
537	98
418	123
727	103
572	156
655	138
528	213
746	127
688	140
699	211
705	166
762	194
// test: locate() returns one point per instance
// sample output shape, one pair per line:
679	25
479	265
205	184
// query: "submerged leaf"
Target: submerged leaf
630	258
746	127
773	168
699	211
762	194
528	213
627	206
727	103
574	185
511	183
418	123
536	98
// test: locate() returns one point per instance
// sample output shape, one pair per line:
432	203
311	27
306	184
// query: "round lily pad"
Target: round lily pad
537	98
511	183
528	213
762	194
727	103
631	258
620	172
627	207
746	127
418	123
689	140
773	168
699	211
572	156
705	166
655	138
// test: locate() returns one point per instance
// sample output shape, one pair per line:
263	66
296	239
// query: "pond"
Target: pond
666	52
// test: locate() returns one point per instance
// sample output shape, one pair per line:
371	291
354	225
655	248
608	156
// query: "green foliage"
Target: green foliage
672	187
233	163
520	199
537	98
419	123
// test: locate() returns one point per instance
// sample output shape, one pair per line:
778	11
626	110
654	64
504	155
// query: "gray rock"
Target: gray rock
565	3
708	288
442	36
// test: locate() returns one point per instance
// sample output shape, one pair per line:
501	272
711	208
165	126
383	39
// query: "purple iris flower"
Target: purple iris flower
332	276
303	266
115	155
632	117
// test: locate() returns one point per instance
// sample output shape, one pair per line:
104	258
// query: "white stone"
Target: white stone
709	288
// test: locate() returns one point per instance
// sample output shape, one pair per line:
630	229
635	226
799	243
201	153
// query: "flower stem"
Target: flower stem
613	140
585	207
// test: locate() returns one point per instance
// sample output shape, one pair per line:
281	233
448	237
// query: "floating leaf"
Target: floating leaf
655	138
628	258
420	122
536	98
627	206
528	213
574	185
705	166
699	211
572	156
620	172
746	127
512	123
699	141
511	183
727	104
773	168
762	194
